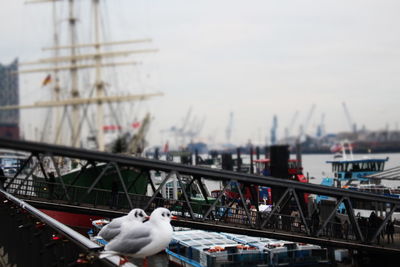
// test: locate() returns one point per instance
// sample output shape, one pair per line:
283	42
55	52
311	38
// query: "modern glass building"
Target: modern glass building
9	95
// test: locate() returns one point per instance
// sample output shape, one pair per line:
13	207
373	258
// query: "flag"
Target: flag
336	148
46	80
136	125
111	127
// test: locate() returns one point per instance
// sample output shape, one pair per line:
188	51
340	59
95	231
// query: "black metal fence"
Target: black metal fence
289	196
232	213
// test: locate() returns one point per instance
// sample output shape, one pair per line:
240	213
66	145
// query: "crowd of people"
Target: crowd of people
342	228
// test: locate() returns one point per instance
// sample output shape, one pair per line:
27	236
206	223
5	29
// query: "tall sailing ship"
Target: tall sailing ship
77	114
80	111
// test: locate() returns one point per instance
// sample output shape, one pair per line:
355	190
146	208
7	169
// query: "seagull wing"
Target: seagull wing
131	242
111	230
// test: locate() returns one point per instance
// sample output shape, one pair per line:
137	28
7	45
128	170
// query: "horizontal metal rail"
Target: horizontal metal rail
204	172
89	250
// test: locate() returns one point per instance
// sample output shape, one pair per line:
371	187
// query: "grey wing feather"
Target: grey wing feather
130	243
111	230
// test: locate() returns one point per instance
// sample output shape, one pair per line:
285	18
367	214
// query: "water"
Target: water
315	166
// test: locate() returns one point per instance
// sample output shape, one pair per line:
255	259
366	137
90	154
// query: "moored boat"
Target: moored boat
208	249
358	175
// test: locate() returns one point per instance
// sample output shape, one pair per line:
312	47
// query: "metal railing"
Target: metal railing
29	237
216	214
338	228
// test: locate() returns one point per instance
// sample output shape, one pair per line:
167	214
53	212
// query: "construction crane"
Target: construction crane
229	128
321	126
185	123
304	127
273	130
189	129
195	128
288	130
353	126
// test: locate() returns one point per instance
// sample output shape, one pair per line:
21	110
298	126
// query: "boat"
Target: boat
263	167
347	170
358	175
285	252
79	115
198	248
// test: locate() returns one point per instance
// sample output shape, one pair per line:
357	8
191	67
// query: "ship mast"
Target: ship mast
74	75
48	126
56	88
74	62
99	82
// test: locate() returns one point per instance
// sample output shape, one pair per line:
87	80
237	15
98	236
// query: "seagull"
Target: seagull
142	240
111	230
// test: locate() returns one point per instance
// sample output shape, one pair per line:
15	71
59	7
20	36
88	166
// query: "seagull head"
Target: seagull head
138	215
161	214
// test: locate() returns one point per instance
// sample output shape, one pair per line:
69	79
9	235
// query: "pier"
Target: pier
209	213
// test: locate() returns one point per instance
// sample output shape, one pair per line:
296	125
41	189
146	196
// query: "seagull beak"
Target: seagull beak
174	218
146	218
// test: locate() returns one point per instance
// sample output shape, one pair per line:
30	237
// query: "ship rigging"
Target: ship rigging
70	111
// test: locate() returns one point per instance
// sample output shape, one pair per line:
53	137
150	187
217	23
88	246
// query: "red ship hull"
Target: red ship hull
72	219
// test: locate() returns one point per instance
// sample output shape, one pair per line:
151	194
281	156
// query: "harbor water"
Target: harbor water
316	168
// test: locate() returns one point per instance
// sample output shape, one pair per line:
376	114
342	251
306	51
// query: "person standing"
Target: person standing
390	231
248	203
223	199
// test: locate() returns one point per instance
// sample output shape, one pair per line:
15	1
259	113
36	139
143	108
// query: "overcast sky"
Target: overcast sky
252	58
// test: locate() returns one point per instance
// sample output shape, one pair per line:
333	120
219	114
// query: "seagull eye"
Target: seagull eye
141	214
136	214
163	214
168	214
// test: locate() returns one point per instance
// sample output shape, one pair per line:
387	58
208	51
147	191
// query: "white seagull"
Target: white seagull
113	229
142	240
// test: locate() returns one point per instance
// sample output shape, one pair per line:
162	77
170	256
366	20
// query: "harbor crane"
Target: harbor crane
353	126
273	130
288	130
190	128
195	128
321	126
304	127
229	127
